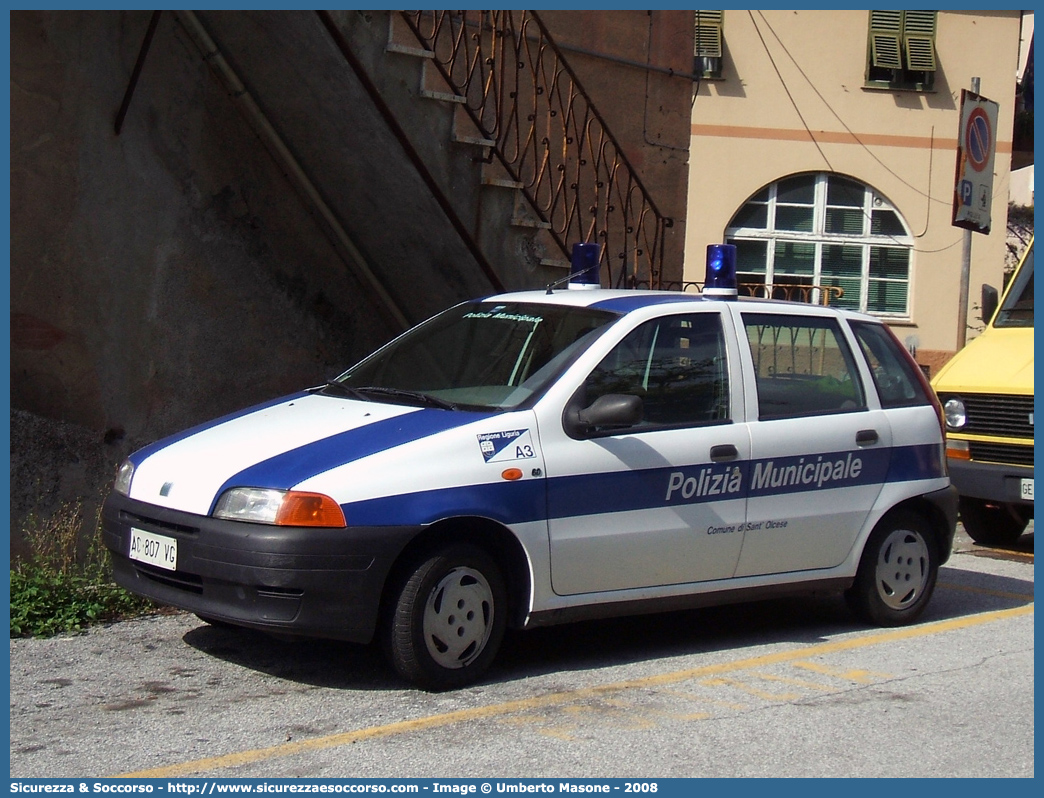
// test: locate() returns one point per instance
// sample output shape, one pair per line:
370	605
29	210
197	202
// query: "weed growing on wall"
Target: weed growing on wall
65	584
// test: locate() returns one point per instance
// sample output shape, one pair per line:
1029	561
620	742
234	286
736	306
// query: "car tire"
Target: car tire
991	524
448	618
897	571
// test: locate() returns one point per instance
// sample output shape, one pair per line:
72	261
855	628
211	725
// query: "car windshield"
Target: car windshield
1017	310
484	355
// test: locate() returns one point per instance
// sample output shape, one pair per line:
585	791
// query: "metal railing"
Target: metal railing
809	294
516	87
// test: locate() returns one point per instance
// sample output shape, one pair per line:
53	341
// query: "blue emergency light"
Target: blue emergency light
721	272
583	272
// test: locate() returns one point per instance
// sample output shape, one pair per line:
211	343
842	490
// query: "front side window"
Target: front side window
826	239
1017	310
802	366
676	365
480	355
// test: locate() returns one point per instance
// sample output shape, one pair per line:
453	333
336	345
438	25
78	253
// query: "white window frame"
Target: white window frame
819	238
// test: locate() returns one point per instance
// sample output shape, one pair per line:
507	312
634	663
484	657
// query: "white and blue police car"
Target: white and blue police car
541	457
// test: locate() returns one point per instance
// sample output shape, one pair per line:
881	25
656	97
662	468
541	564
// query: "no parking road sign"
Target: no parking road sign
976	147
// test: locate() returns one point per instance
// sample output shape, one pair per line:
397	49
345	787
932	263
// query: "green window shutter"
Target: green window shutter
886	28
710	27
919	40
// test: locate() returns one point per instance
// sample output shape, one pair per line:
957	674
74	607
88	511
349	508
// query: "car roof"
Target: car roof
626	300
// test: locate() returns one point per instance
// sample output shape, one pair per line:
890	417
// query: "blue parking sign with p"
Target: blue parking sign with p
966	192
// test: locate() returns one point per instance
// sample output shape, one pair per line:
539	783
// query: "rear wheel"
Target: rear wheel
991	524
897	572
449	618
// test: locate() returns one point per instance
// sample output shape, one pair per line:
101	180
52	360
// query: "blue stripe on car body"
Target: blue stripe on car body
138	457
289	468
623	491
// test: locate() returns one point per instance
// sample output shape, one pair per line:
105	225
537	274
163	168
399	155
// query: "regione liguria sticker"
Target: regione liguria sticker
498	447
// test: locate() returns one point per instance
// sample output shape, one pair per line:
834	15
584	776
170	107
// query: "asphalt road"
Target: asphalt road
784	688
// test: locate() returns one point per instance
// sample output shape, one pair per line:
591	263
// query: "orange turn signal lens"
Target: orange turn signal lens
309	509
957	450
511	474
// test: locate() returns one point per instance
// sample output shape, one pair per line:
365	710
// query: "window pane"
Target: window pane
794	258
886	297
751	256
1017	310
802	366
844	192
845	221
800	189
897	383
751	215
676	365
842	261
886	223
797	219
842	268
889	262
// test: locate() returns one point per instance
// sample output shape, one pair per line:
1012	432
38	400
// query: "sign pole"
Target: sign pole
962	304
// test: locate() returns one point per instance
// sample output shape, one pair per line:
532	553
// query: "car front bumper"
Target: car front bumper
994	482
284	580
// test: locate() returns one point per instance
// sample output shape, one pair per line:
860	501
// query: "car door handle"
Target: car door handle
723	453
866	437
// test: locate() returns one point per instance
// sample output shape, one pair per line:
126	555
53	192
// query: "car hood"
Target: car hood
998	361
277	445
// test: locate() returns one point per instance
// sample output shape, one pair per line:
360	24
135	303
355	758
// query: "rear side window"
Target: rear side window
677	366
895	376
802	365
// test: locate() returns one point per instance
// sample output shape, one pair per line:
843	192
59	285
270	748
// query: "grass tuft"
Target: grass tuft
65	585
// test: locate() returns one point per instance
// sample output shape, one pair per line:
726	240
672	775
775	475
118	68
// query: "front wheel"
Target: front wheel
897	572
448	618
992	524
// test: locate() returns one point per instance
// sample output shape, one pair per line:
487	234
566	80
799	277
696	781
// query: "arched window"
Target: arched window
822	230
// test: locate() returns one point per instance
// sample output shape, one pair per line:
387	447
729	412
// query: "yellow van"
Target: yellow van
987	393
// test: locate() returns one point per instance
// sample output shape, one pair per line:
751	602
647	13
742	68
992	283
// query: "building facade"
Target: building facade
824	145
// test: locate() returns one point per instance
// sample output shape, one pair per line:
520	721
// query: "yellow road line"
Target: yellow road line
857	676
567	697
1003	554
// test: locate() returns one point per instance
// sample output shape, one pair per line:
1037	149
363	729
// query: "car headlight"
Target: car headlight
956	415
124	477
279	507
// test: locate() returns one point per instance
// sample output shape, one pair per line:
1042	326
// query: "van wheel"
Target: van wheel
991	524
897	572
448	619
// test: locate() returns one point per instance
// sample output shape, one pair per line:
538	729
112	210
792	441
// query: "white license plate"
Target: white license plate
1027	489
158	550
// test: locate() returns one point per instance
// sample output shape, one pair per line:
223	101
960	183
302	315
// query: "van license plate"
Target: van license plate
158	550
1027	490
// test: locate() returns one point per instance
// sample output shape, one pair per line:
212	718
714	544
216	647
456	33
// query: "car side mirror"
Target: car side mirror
612	411
989	302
